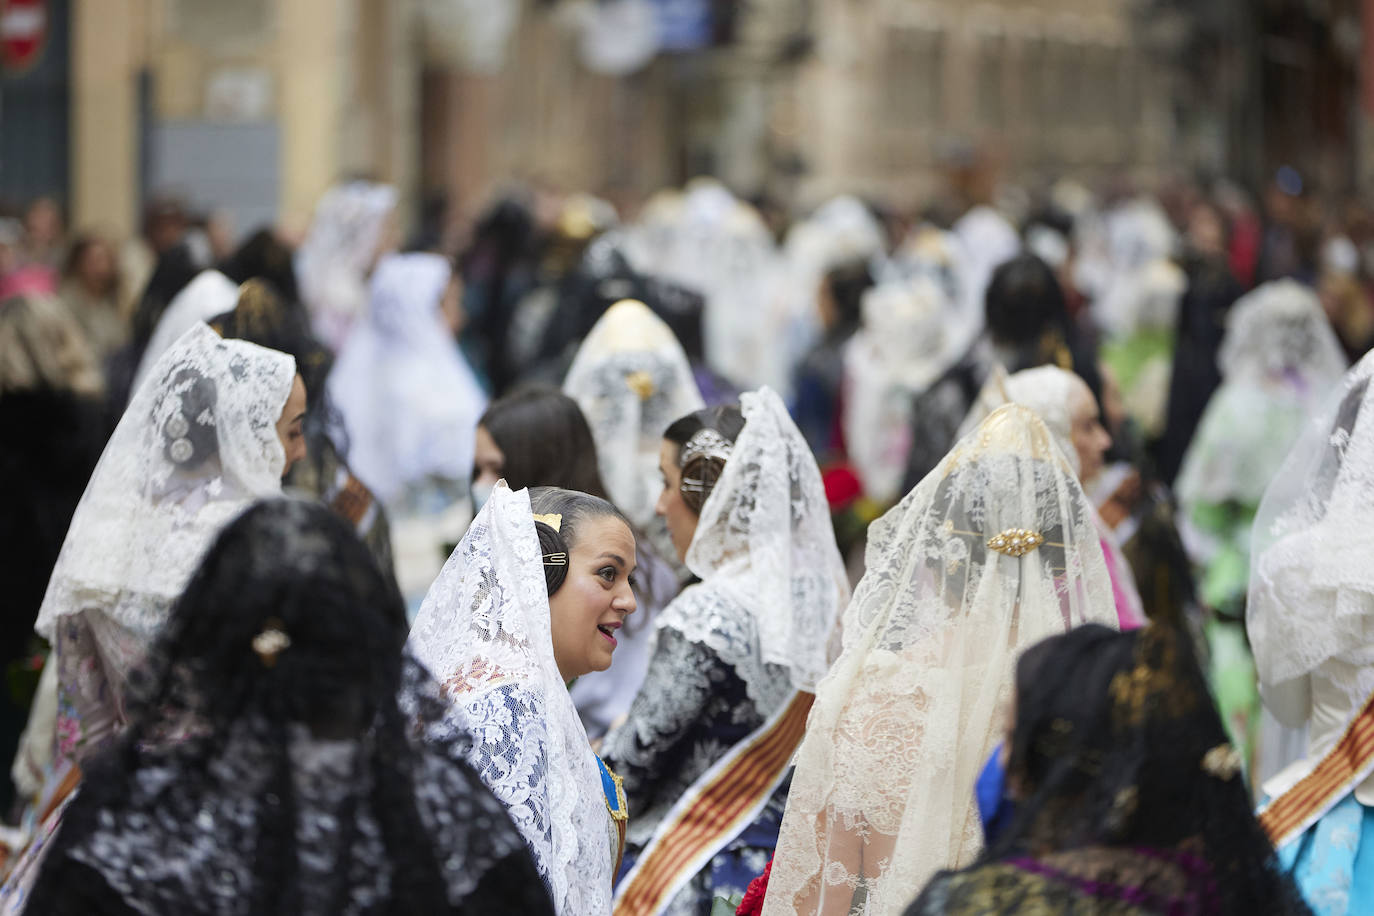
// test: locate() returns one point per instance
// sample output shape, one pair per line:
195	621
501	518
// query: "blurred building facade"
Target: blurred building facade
258	105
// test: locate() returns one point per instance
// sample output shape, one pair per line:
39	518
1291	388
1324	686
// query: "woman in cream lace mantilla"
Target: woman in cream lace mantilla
992	552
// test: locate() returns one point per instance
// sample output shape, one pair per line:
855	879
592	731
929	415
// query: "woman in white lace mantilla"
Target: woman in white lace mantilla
531	599
631	378
1278	361
746	509
1310	618
215	426
993	551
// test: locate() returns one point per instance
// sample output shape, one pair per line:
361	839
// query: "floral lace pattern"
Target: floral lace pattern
1311	590
185	836
882	796
151	511
765	544
632	379
484	630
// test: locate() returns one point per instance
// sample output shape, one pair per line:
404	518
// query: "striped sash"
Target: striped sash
720	804
1345	766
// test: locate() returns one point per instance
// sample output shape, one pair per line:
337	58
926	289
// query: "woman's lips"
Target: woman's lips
607	630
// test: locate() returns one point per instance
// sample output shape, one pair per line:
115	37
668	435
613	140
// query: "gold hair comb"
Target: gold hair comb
554	520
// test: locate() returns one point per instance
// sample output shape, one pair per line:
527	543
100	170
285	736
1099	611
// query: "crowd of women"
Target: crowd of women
693	565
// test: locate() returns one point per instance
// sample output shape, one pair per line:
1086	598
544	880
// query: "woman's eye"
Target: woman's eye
634	581
607	573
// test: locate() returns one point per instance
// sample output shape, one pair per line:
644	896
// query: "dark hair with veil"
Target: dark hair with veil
1129	796
269	767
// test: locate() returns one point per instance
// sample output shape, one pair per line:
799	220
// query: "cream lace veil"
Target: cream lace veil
765	552
197	443
882	796
484	631
632	379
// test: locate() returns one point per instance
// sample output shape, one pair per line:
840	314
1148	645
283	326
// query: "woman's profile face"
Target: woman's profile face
1090	440
289	425
682	521
591	605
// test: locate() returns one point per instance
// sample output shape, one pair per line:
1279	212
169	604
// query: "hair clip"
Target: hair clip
553	519
555	559
641	383
1015	542
705	443
1222	761
271	642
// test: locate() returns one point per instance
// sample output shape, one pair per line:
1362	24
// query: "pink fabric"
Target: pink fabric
1126	616
33	280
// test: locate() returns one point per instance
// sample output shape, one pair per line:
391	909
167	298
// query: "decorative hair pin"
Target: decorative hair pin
1222	761
705	443
554	520
641	383
555	559
271	642
1015	542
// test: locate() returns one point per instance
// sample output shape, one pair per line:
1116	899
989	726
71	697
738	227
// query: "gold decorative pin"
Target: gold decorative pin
554	520
1015	542
555	559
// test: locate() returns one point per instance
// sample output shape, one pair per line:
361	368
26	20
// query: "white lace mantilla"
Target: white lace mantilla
765	544
632	379
197	443
484	631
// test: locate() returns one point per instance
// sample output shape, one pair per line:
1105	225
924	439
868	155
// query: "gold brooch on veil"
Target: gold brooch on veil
1016	542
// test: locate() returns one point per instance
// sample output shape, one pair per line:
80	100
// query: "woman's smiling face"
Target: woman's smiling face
592	603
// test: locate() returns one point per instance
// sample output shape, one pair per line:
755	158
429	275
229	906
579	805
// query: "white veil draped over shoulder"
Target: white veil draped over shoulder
765	547
1311	602
484	631
993	551
197	443
409	400
632	379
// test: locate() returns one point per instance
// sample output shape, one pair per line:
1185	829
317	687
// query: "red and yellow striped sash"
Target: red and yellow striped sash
718	806
1345	766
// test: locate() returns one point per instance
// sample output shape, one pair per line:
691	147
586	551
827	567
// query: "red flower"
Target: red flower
842	486
752	904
